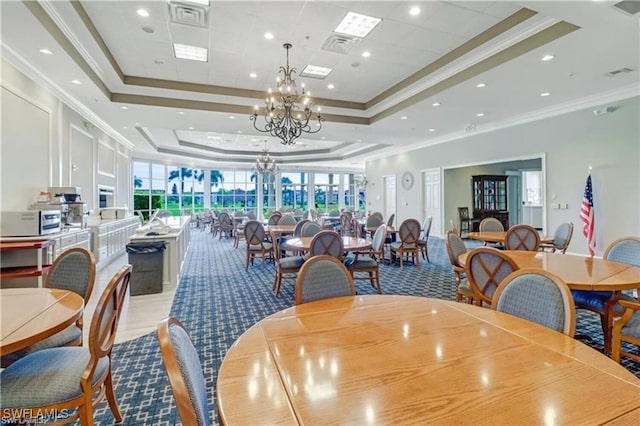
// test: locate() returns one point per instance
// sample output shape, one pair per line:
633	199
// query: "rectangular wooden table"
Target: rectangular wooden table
396	360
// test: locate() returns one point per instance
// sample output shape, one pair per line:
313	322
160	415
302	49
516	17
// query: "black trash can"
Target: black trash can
146	259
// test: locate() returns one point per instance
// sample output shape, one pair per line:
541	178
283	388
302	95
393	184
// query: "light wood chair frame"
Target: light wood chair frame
480	290
319	245
567	298
280	272
553	247
373	272
631	308
312	261
458	270
407	237
521	233
262	251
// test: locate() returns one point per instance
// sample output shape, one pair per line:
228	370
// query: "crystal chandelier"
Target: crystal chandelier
265	165
282	118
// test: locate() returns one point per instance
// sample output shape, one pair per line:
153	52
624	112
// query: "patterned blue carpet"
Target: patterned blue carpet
218	301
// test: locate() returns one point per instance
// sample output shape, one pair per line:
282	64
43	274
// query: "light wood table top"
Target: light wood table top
499	236
579	272
281	229
350	243
32	314
388	359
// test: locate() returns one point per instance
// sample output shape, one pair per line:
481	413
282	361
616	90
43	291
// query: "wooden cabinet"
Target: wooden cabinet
490	198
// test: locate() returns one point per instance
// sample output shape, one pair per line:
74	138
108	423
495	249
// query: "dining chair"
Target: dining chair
285	266
455	248
373	221
297	233
65	378
74	270
465	220
346	227
486	268
327	243
274	218
238	232
538	296
254	233
491	224
627	329
623	250
409	233
561	239
287	219
379	214
391	219
222	225
310	229
251	215
369	262
423	241
323	277
522	237
184	370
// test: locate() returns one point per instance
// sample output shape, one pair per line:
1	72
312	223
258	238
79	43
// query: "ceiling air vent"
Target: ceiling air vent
630	7
188	14
616	73
339	43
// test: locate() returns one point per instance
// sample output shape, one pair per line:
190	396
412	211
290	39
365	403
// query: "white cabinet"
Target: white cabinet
71	239
111	237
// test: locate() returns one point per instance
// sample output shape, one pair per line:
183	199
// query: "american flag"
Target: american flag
586	215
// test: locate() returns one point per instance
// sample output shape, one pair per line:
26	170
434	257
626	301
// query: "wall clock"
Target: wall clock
407	180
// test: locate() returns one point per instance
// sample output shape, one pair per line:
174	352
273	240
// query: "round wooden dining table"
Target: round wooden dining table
498	237
387	359
29	315
350	243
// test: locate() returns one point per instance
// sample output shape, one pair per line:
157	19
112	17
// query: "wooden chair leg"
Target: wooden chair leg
111	399
246	268
416	259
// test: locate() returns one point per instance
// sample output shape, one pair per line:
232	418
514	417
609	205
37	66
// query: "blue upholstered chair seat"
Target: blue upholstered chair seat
258	247
632	328
63	338
291	263
399	246
47	377
464	287
362	263
596	300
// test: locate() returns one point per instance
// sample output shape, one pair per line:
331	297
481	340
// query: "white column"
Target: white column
207	189
311	190
278	188
341	191
259	198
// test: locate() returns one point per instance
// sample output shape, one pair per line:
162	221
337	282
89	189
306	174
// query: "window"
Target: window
326	193
294	190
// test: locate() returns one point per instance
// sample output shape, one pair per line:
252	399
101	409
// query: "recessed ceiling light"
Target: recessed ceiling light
366	54
323	138
432	130
481	85
46	51
404	117
414	11
268	35
142	12
315	71
232	117
547	57
253	75
124	107
545	94
180	112
125	127
76	81
480	114
239	132
436	104
193	53
191	128
357	25
330	86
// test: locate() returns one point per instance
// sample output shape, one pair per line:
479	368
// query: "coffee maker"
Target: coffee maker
77	212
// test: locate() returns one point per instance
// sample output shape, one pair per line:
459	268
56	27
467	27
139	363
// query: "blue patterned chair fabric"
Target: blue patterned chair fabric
623	250
254	233
491	224
409	233
370	262
285	266
627	329
310	229
274	218
537	296
287	219
522	237
323	277
562	237
58	376
327	243
486	267
187	381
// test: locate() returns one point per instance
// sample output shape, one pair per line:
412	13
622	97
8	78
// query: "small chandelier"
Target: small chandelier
282	118
265	165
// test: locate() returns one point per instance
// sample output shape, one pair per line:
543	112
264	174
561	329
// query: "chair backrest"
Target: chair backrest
374	220
463	213
379	238
377	214
164	213
239	213
310	229
409	231
522	237
345	222
391	219
251	215
253	233
562	236
297	231
224	219
452	226
287	219
104	323
327	243
356	229
455	247
274	218
491	224
538	296
323	277
74	270
334	213
184	370
624	250
486	267
426	228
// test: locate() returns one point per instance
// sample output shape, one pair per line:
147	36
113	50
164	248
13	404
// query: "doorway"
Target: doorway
431	188
389	194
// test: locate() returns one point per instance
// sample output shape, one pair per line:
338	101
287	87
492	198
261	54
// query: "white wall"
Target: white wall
570	143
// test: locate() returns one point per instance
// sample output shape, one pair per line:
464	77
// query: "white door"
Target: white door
389	195
431	200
